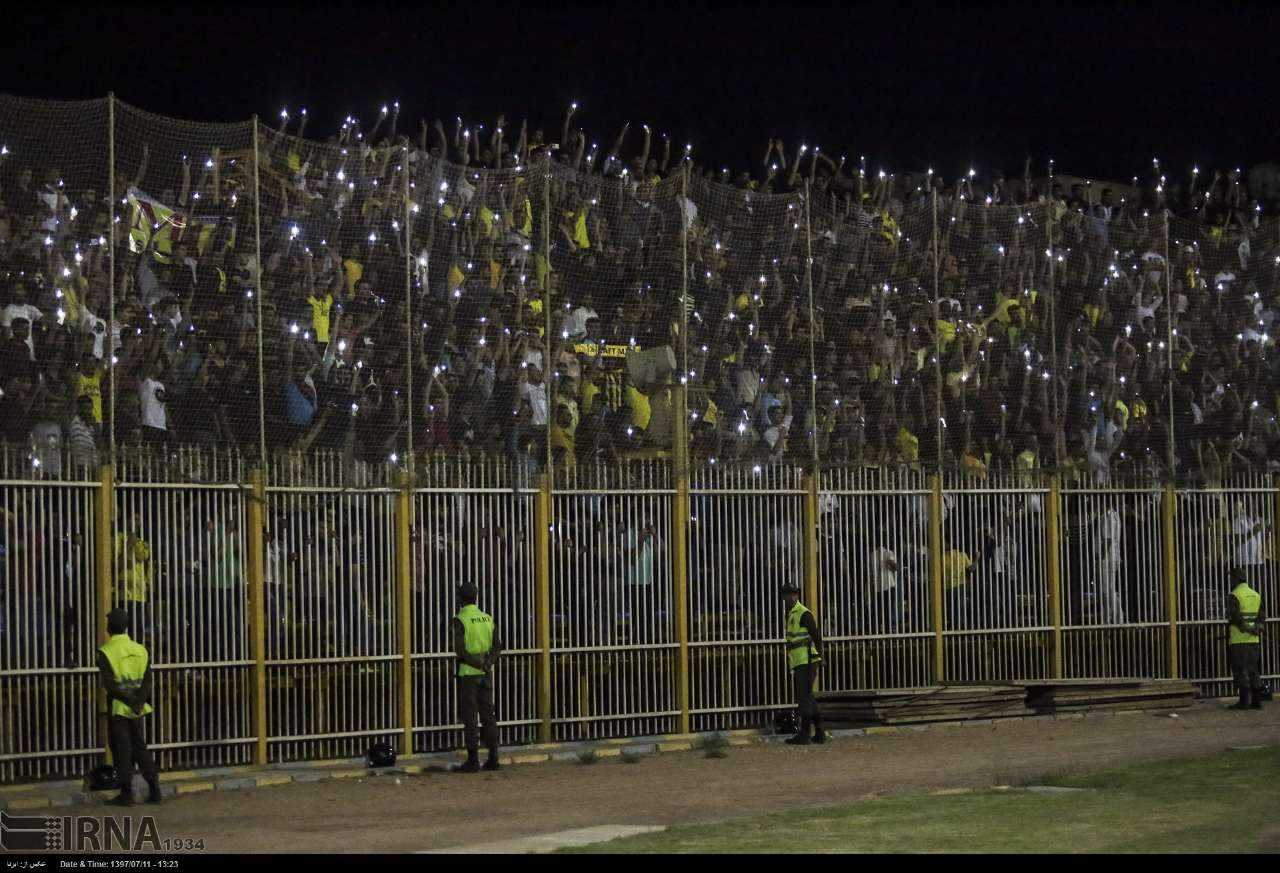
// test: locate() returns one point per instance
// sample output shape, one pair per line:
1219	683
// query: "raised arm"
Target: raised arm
142	167
564	130
616	151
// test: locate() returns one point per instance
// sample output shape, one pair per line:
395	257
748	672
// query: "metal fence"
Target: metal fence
308	618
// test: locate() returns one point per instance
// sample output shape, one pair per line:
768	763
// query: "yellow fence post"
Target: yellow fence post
811	541
680	559
935	574
104	547
811	549
1170	577
256	567
542	537
1053	558
404	515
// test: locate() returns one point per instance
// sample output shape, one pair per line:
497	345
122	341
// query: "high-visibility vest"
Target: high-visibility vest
477	628
1250	605
800	648
128	662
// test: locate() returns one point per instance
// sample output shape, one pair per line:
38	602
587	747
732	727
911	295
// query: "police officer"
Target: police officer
804	654
126	674
477	646
1244	645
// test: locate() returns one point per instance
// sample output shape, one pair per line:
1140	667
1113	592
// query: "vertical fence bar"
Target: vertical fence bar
255	568
408	332
1053	323
1053	561
103	545
811	544
937	364
1169	313
111	276
813	327
1170	577
935	573
404	620
680	569
257	293
681	512
811	541
547	340
542	542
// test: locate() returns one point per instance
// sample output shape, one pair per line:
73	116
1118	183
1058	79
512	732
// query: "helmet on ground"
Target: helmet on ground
102	778
382	755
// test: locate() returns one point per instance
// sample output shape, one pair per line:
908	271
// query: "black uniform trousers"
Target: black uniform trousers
1246	665
802	679
475	706
129	746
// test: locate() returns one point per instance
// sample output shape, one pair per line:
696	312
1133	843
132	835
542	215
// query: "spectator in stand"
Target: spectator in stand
83	435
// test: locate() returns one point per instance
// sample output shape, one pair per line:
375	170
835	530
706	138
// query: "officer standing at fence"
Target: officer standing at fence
804	654
125	667
478	647
1244	643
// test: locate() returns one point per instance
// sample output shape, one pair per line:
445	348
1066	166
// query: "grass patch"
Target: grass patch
1221	803
588	757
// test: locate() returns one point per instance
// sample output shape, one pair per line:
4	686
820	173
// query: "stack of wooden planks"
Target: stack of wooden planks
1102	695
895	706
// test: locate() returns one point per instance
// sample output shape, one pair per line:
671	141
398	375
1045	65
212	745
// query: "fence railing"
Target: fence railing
309	620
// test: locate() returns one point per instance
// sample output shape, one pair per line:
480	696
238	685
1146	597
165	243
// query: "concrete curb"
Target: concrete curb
44	795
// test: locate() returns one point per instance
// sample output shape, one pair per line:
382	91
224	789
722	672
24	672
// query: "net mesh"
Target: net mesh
474	297
1224	301
407	306
614	291
749	325
877	384
1001	366
55	263
336	306
186	357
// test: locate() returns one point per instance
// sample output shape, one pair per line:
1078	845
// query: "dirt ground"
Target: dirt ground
442	810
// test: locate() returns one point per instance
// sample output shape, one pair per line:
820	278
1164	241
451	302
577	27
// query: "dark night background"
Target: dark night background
1101	88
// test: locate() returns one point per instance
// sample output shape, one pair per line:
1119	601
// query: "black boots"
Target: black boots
1246	699
153	794
1255	699
472	764
819	736
801	738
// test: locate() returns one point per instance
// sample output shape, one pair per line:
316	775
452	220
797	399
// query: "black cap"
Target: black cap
1238	574
117	621
790	588
468	592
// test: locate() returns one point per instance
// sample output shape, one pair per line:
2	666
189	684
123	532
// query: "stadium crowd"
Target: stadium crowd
983	322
